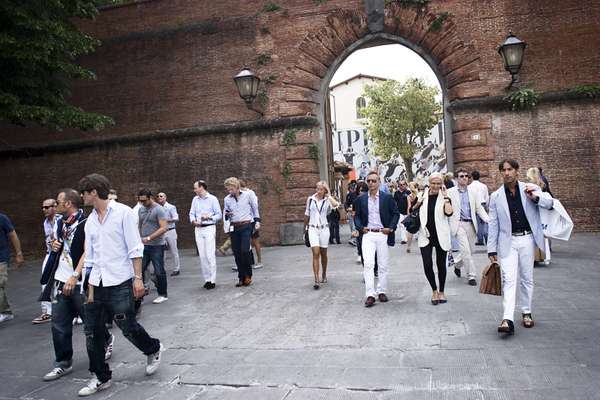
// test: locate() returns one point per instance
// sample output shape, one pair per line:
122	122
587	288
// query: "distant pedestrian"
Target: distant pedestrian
401	198
171	234
333	219
241	210
255	236
377	217
348	207
435	210
153	226
50	222
114	250
483	197
514	231
318	207
7	233
205	212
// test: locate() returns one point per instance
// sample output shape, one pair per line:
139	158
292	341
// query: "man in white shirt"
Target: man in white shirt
205	212
483	196
50	220
171	235
113	251
65	278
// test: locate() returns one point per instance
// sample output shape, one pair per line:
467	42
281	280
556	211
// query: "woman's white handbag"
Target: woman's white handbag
556	223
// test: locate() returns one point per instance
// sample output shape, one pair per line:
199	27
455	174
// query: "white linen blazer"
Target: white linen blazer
442	223
500	227
474	203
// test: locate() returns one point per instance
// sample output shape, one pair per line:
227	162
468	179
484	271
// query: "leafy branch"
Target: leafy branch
523	99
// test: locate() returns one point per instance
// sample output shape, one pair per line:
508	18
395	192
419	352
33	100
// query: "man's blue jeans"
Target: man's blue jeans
156	254
64	310
120	300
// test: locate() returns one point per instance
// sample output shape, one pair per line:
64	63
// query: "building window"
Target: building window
360	105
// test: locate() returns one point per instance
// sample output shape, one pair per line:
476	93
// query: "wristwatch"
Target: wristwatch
75	275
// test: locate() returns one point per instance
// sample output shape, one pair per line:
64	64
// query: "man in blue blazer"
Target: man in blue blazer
376	217
514	231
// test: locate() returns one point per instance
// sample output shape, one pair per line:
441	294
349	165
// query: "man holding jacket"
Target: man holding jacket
514	231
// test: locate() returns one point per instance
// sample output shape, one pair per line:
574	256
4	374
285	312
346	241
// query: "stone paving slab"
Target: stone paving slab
280	339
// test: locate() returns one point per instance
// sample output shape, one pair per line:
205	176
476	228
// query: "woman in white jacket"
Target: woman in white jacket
434	214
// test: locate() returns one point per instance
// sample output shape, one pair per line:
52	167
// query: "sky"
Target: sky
392	61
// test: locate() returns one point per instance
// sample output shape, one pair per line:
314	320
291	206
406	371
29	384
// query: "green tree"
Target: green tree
39	45
398	116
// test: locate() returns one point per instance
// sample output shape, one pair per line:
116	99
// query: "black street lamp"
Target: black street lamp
247	86
512	51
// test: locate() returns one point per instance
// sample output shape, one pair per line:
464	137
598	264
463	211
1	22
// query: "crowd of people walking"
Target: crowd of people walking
96	267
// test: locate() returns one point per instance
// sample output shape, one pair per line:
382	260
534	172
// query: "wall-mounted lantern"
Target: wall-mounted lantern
512	51
247	85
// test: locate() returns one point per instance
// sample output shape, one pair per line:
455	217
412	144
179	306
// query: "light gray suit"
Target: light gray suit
500	227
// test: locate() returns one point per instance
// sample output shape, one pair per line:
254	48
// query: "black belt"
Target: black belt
522	233
376	230
202	226
170	229
466	220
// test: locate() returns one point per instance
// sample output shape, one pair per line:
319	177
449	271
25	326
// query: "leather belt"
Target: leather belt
319	226
170	229
522	233
205	225
240	223
466	220
375	230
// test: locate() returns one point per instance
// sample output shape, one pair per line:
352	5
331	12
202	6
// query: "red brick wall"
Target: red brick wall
168	64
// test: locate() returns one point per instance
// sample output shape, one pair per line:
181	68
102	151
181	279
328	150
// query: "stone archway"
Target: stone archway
456	63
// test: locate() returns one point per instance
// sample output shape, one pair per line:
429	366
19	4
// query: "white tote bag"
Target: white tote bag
556	223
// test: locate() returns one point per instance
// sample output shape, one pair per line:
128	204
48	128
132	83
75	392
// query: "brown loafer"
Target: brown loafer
506	326
370	302
383	298
528	321
239	284
247	281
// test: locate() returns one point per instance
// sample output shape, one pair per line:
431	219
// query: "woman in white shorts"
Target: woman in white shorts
318	206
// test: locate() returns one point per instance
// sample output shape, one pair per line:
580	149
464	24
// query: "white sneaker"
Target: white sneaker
358	260
160	299
77	321
108	350
153	361
234	268
57	373
258	266
6	317
93	386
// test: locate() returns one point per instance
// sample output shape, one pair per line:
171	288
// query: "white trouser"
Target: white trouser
375	243
46	305
171	238
466	241
402	229
518	261
206	243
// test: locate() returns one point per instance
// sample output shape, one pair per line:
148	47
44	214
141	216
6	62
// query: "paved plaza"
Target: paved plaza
280	339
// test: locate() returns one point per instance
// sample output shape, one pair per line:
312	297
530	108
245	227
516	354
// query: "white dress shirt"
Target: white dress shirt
317	210
208	204
172	215
481	190
112	244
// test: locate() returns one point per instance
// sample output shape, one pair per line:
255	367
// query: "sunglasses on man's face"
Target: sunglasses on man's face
371	180
47	207
463	176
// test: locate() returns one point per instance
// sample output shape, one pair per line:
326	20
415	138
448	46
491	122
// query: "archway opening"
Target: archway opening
350	153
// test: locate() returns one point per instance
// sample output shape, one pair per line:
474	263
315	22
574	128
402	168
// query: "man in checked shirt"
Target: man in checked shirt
241	209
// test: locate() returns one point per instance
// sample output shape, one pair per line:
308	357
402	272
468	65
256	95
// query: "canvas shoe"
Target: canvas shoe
108	349
6	317
153	361
160	299
57	373
93	386
258	266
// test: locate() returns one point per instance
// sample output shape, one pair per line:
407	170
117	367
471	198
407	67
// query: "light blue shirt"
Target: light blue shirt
172	215
208	204
465	207
374	217
244	208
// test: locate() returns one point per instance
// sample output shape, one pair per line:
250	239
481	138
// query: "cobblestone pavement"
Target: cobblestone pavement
280	339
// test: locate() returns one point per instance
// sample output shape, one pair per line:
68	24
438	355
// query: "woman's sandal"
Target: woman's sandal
434	299
442	298
316	285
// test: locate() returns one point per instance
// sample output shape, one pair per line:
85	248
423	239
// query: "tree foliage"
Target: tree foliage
398	116
39	45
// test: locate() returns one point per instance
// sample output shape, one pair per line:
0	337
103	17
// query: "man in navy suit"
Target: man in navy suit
377	217
514	230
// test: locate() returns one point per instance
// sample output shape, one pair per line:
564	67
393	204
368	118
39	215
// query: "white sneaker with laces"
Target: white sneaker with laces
6	317
153	361
57	373
160	299
258	266
108	350
93	386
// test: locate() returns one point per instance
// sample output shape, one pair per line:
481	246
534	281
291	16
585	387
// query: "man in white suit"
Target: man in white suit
467	207
514	230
